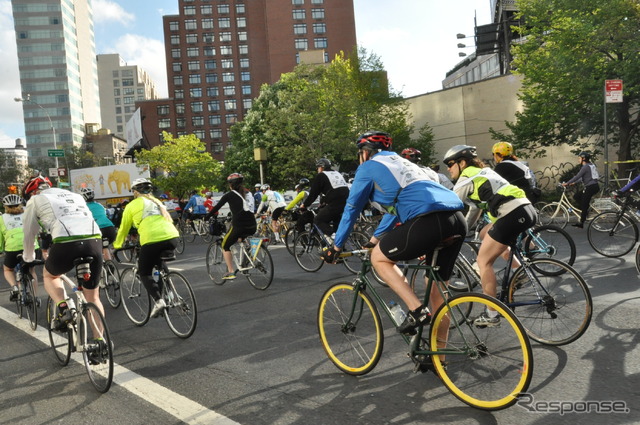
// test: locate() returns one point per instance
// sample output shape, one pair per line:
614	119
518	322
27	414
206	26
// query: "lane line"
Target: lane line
176	405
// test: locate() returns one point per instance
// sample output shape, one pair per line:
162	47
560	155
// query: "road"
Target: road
255	358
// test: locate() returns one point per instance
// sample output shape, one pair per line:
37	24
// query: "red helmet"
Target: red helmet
375	140
412	154
36	183
235	178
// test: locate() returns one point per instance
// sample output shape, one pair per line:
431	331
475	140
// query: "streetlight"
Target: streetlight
53	129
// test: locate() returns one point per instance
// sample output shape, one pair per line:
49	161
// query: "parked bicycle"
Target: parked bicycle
615	233
27	303
484	367
560	213
86	333
181	313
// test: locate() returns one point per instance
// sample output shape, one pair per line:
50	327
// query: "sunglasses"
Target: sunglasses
451	164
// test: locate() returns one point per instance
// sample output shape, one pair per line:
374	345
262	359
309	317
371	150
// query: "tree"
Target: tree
424	143
182	165
569	48
10	173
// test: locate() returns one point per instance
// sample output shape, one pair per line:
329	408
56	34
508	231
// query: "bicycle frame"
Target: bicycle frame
77	344
243	253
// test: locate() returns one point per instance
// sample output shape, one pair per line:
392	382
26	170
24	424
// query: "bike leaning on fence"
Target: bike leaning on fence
615	233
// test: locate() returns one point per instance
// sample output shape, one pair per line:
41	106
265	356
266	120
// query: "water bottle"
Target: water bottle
156	275
397	313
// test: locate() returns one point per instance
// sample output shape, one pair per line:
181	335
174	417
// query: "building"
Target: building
121	85
108	148
15	158
220	53
58	73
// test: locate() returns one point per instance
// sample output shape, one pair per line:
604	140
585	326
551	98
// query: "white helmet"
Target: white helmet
87	193
11	200
142	185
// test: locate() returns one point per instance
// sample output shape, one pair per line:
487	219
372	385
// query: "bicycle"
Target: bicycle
549	297
110	280
264	230
614	233
484	367
252	257
196	226
27	303
97	353
560	213
181	313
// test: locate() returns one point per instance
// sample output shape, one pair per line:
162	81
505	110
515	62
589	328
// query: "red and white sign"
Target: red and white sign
613	91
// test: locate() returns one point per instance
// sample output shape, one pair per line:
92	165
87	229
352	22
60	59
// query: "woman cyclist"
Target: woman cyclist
588	175
156	234
243	222
100	216
509	210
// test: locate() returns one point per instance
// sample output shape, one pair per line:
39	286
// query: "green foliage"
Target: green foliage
424	143
569	48
75	157
10	173
182	165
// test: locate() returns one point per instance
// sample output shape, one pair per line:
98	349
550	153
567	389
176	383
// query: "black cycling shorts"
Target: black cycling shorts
506	229
277	213
109	233
150	255
421	235
62	255
235	233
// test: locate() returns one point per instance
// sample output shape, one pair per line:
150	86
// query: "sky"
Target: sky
415	40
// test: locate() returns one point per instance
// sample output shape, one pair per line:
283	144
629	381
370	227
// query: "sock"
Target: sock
492	313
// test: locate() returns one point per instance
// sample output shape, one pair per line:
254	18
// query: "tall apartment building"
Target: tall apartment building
121	85
58	73
220	53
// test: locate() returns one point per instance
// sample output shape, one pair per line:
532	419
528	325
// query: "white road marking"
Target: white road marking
180	407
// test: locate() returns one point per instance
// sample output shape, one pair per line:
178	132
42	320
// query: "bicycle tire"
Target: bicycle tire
307	250
553	214
181	313
135	298
60	341
550	242
203	231
354	347
97	352
111	283
487	368
289	238
216	266
261	275
564	308
181	244
355	241
612	234
188	232
30	303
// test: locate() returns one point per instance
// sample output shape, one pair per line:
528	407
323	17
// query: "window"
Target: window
175	39
225	36
209	50
177	80
244	62
197	107
180	108
216	133
128	100
199	134
242	36
116	101
116	83
320	43
193	52
193	65
174	26
127	82
226	50
189	10
213	105
114	74
208	37
227	63
247	103
192	38
197	121
129	91
223	9
118	109
246	90
116	92
129	109
163	109
212	91
231	118
211	78
299	28
241	22
243	49
164	123
319	28
175	53
207	23
176	66
297	2
206	9
230	104
228	77
299	14
195	92
210	64
181	122
317	13
239	9
190	24
229	90
301	44
195	79
224	22
245	76
178	94
215	120
317	1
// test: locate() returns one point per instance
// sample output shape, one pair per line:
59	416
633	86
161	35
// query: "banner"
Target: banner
112	181
133	129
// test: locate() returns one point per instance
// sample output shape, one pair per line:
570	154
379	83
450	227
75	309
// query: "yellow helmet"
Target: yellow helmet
503	149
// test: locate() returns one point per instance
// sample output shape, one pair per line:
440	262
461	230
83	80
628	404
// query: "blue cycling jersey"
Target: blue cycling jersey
399	188
197	203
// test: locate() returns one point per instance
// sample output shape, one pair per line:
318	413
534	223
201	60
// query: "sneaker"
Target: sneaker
578	225
13	295
484	321
158	308
64	318
229	276
413	320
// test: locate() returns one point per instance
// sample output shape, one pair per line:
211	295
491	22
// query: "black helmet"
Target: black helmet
458	152
324	163
375	140
586	155
302	183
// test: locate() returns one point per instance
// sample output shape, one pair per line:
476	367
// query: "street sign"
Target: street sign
62	172
56	153
613	91
53	172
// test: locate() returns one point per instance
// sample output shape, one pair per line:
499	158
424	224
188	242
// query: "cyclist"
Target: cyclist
274	202
257	195
335	191
99	213
588	175
156	234
508	208
66	217
195	207
11	239
243	222
427	212
208	201
307	217
415	156
514	171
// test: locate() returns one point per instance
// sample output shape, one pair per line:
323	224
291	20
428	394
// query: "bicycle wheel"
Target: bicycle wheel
97	350
550	242
180	246
554	309
289	238
356	240
182	312
188	232
29	303
487	368
60	341
135	298
261	275
350	329
203	231
216	267
612	234
307	250
110	283
555	214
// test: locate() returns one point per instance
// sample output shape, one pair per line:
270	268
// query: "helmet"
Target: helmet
164	196
304	182
36	183
585	155
503	149
412	154
258	186
324	163
142	185
208	194
458	152
265	187
11	200
87	193
375	140
234	178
